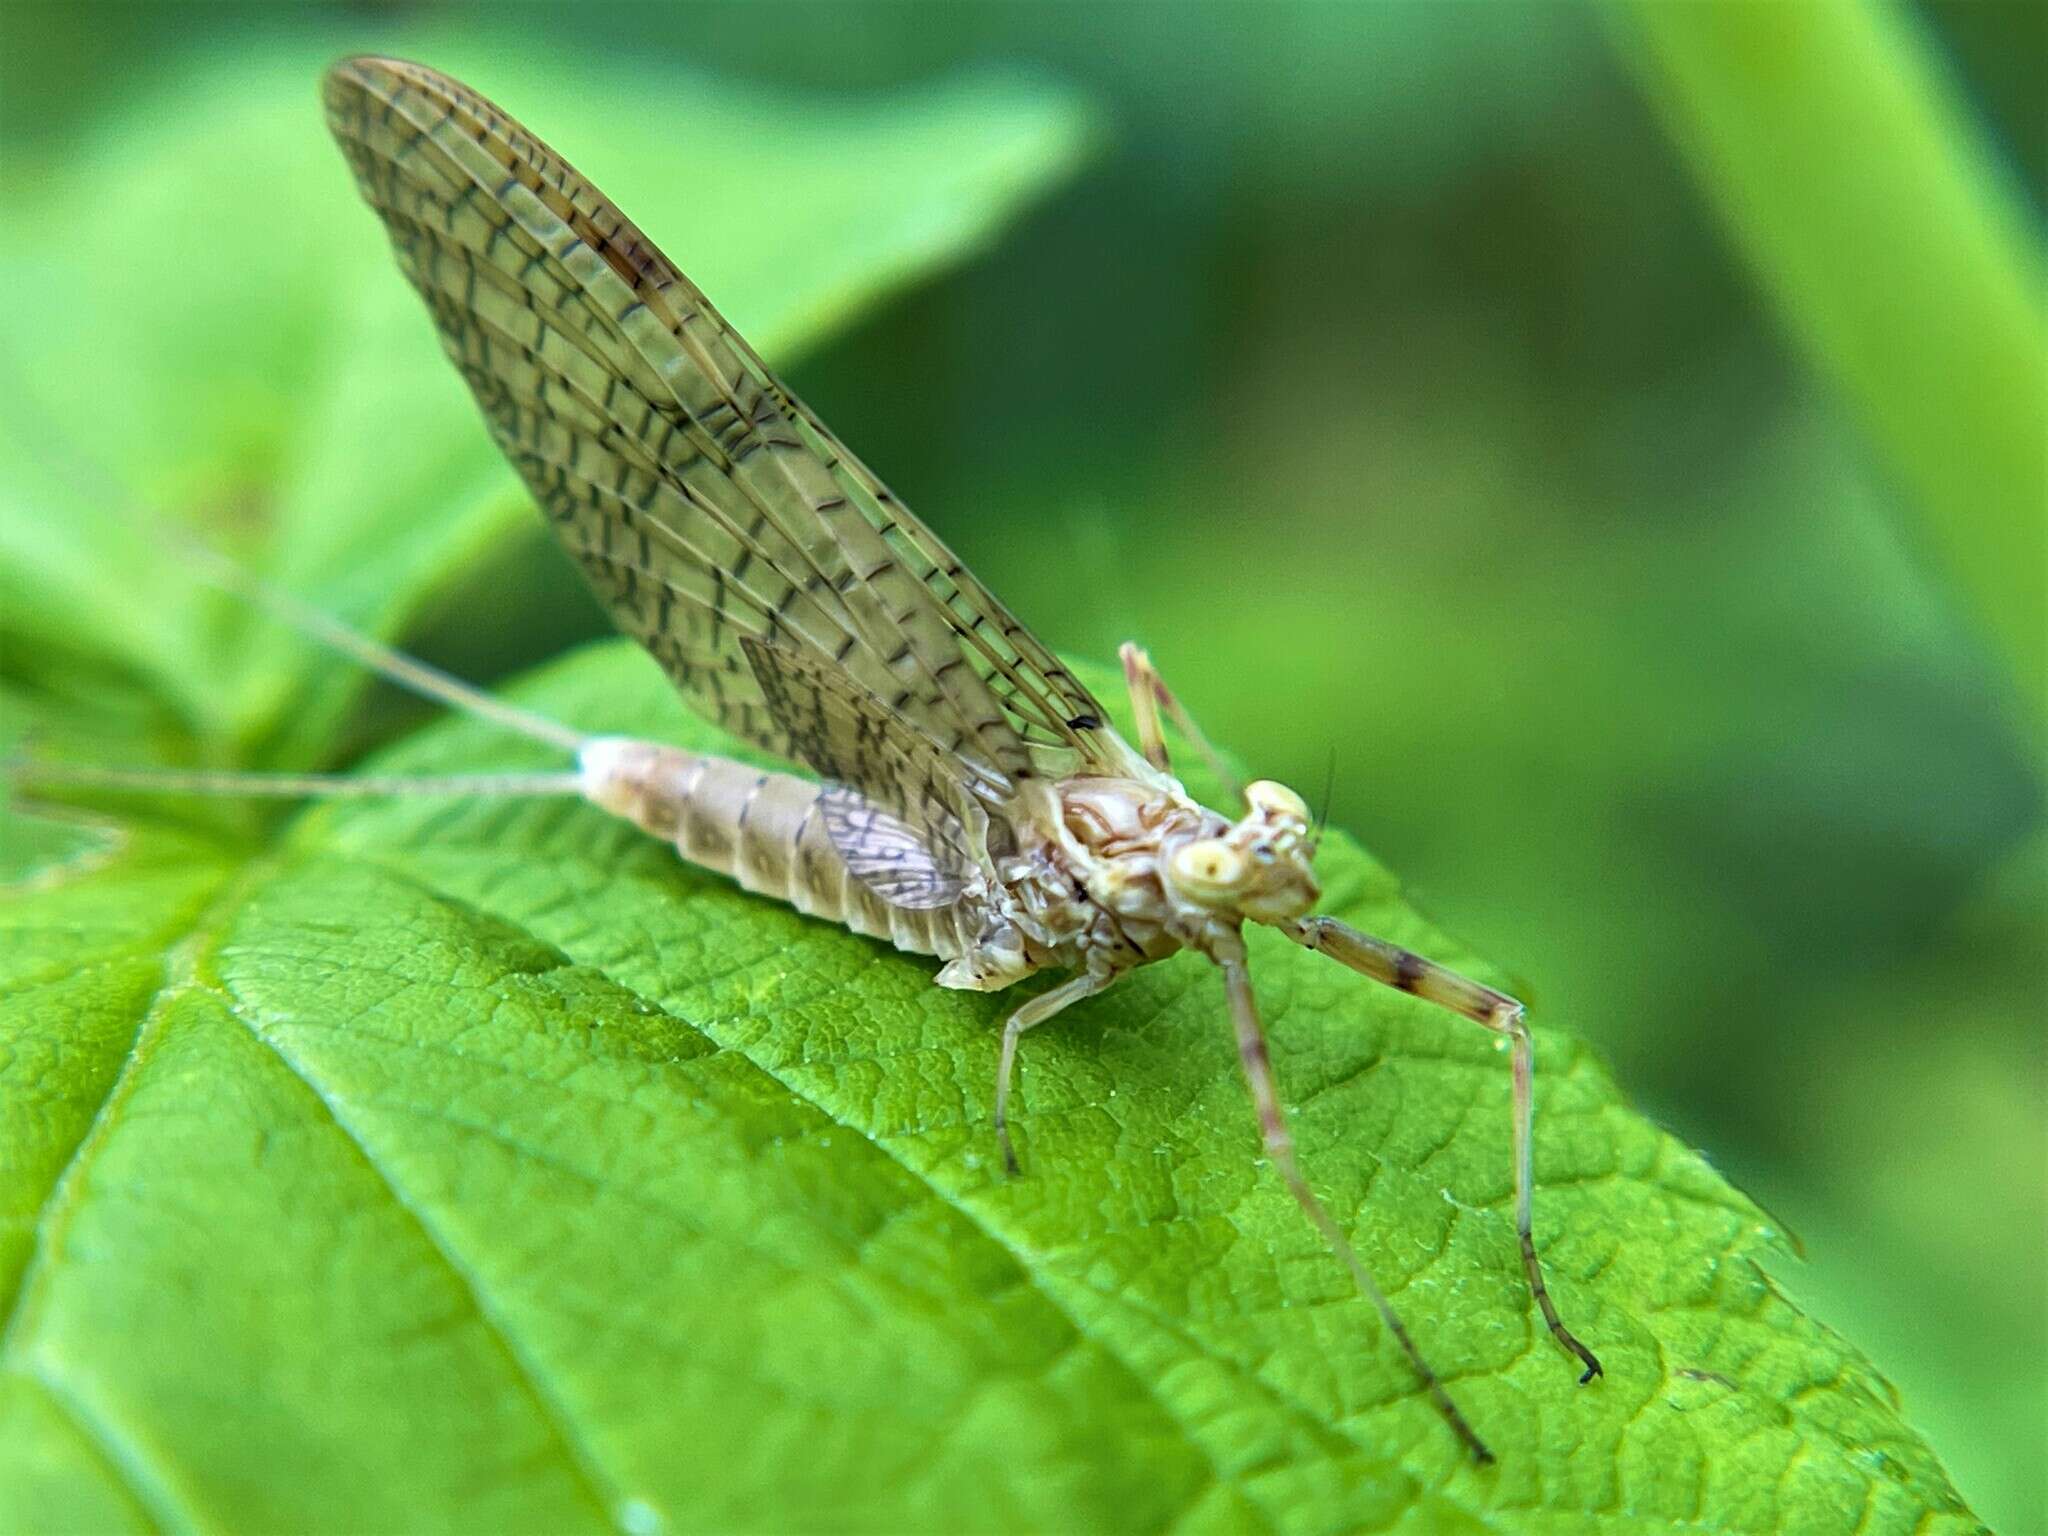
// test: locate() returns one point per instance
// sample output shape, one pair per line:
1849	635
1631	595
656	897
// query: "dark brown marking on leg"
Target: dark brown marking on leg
1562	1334
1408	970
1411	973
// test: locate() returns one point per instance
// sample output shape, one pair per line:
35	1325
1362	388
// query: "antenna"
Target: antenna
1315	837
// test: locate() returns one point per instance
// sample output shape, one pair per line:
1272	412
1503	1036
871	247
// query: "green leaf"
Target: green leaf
432	1164
484	1164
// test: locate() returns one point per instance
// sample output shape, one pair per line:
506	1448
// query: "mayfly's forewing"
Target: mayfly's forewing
702	503
1057	715
913	820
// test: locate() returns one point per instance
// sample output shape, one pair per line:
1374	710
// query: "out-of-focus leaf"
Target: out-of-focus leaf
1954	1192
1847	170
217	326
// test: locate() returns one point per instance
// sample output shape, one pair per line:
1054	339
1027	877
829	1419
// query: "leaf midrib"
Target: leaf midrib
53	1215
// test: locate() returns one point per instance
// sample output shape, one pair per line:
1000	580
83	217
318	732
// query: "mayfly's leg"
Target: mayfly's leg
1030	1016
1141	680
1149	694
1258	1072
1409	972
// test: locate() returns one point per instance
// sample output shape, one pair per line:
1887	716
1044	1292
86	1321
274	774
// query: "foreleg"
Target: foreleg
1409	972
1149	694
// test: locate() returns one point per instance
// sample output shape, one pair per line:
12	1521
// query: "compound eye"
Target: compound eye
1271	799
1208	867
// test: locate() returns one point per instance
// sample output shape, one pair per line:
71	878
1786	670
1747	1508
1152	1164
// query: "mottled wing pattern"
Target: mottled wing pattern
1047	703
910	825
704	503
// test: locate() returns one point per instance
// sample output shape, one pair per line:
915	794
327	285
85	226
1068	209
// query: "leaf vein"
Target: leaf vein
66	1190
582	1460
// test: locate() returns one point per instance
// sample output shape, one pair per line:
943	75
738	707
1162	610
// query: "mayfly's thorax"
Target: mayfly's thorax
1126	830
1085	889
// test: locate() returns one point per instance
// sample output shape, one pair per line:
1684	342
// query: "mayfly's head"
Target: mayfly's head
1260	867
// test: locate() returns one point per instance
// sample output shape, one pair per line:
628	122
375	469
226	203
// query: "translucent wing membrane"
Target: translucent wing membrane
705	504
895	860
901	811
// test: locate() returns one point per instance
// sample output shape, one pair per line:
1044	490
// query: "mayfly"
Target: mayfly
971	802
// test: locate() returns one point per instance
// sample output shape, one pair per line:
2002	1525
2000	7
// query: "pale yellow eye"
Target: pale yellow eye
1271	799
1208	867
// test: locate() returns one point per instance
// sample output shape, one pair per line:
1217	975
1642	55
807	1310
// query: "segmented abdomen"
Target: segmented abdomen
764	829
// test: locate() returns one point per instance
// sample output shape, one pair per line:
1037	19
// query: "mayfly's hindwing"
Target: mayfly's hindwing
909	823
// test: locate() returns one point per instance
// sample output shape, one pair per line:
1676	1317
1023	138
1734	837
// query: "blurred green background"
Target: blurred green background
1604	431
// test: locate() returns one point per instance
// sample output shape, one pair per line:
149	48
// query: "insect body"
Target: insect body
1094	875
971	800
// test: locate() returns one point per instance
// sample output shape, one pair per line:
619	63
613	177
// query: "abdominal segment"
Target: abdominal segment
762	828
